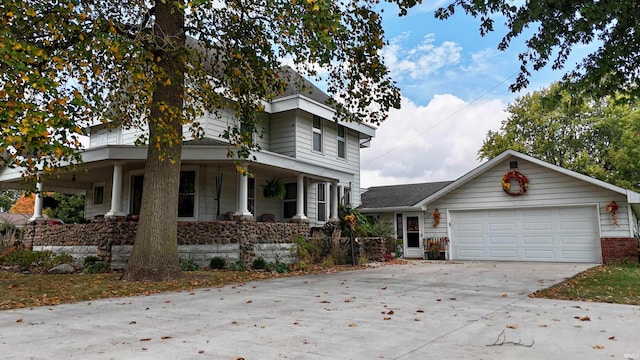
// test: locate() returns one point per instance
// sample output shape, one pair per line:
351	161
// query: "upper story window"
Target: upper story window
342	142
317	133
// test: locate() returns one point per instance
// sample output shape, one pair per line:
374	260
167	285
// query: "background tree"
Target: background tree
7	199
68	208
560	26
598	138
158	65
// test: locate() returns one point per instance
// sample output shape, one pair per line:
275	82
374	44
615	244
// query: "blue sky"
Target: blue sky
454	85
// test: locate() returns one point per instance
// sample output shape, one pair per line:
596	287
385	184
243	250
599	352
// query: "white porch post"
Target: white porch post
243	198
116	192
38	203
334	203
300	216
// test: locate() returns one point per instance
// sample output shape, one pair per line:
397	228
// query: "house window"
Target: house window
290	203
346	196
251	195
399	228
322	202
317	133
342	142
98	195
187	194
137	182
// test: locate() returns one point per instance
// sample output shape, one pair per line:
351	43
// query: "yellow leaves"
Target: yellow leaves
70	6
168	82
9	14
31	12
16	47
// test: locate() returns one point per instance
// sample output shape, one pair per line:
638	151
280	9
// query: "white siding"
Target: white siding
282	133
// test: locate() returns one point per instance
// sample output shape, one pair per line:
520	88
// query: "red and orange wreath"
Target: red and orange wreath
516	175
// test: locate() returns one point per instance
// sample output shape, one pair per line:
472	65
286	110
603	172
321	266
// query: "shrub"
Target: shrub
218	263
259	263
39	261
280	267
91	259
238	265
328	261
97	267
307	251
189	265
58	260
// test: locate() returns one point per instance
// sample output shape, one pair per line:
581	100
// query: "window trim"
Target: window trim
95	187
319	131
341	140
321	202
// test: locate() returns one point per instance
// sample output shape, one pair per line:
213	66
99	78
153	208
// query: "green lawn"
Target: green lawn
619	283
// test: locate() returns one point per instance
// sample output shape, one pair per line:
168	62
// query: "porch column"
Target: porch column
334	203
300	216
38	203
116	192
243	198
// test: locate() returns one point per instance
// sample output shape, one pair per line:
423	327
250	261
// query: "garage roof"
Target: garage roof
398	196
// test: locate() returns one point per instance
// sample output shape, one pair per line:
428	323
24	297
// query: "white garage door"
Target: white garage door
563	234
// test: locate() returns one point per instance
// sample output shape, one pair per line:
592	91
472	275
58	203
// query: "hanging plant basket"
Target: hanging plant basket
273	188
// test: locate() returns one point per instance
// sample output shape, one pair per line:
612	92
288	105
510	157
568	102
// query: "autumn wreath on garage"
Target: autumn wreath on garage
516	175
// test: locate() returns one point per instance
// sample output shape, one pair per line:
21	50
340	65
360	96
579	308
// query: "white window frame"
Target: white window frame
95	187
321	196
318	131
195	194
341	141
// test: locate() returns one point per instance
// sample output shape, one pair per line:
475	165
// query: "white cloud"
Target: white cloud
435	142
424	59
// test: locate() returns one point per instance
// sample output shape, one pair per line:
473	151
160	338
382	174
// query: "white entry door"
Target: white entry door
413	235
562	234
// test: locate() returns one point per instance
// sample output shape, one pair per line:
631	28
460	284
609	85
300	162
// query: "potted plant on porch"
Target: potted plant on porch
435	248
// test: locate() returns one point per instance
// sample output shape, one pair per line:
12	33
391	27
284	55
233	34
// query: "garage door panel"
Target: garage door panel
503	240
537	226
576	240
529	234
471	254
470	227
538	240
504	254
538	255
470	240
502	226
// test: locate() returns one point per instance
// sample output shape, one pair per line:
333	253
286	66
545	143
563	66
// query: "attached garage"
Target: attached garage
515	208
555	234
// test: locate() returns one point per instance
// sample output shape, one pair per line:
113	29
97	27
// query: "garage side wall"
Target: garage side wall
547	188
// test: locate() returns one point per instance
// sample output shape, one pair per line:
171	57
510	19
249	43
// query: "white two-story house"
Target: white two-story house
317	159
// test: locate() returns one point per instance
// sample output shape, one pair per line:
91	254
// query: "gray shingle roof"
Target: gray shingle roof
399	195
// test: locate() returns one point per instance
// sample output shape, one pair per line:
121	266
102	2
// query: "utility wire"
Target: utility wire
444	119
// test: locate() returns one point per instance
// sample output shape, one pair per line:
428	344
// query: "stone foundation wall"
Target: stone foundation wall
200	241
619	249
373	249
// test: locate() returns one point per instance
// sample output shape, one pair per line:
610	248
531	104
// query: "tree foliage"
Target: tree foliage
160	65
598	138
561	26
7	199
68	208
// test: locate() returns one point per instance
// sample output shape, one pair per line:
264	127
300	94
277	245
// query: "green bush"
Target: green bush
238	265
91	259
189	265
278	267
259	263
58	259
25	259
97	267
218	263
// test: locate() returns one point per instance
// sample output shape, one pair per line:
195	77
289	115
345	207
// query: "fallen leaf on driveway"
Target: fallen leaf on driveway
249	301
387	318
145	339
505	295
166	337
19	320
598	347
417	319
612	338
512	326
586	318
352	325
420	311
543	325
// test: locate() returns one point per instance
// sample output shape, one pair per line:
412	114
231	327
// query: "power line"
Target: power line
445	118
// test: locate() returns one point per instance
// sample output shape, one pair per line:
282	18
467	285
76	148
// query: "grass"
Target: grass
614	283
19	290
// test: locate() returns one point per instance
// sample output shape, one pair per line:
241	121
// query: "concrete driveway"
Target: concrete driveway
422	310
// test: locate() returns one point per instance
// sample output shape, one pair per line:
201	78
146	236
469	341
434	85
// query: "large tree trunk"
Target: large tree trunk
155	252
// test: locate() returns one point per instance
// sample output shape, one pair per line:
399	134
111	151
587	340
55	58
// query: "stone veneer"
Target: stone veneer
199	241
619	249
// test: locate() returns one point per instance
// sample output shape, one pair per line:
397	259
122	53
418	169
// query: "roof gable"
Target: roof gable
481	169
